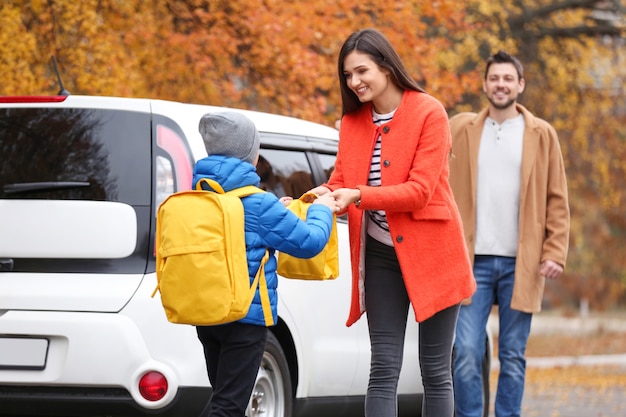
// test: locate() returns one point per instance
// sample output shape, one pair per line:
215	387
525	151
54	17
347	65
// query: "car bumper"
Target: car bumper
78	401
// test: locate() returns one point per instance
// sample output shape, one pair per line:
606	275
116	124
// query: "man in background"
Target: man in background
508	178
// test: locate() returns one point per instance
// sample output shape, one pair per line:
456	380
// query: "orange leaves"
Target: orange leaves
265	54
280	56
16	57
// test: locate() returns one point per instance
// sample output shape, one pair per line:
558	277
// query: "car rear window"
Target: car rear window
75	154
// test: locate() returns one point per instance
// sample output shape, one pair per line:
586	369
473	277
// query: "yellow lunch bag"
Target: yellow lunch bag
323	266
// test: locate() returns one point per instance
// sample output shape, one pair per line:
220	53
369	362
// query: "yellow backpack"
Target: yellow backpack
201	263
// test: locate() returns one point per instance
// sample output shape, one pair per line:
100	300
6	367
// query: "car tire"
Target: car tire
272	394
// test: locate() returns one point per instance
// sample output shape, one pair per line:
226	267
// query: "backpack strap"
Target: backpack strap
261	282
265	296
216	187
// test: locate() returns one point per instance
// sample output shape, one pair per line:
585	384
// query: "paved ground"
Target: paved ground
573	385
555	324
579	391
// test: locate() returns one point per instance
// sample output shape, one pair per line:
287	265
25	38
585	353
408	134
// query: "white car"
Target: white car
80	180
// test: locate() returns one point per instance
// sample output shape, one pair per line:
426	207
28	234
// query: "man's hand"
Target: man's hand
550	269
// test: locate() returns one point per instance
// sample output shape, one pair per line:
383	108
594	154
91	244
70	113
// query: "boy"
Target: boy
234	351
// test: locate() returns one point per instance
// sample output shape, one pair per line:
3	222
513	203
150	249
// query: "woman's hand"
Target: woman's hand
346	196
319	190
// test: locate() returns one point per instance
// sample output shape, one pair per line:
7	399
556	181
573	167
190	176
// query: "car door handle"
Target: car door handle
6	265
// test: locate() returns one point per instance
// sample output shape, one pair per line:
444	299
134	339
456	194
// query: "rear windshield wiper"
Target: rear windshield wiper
42	186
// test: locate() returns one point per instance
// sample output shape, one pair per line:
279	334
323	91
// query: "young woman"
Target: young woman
406	236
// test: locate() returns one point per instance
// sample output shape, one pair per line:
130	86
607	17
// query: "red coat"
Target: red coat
423	218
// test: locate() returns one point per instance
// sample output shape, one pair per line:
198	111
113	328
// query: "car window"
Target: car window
285	172
328	163
75	154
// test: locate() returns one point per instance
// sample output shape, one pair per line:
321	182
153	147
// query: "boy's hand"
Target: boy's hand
328	201
286	200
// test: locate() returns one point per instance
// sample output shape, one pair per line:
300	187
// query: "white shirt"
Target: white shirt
498	187
377	226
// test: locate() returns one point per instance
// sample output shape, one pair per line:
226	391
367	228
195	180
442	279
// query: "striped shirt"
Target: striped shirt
377	227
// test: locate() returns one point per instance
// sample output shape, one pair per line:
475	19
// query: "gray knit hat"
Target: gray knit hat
230	134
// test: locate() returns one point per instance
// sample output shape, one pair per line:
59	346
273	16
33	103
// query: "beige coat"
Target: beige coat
544	211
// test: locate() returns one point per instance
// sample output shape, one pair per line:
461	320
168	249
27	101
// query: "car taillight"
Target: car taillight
153	386
32	99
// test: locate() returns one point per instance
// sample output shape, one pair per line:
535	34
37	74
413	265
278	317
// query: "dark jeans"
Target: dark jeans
233	354
387	306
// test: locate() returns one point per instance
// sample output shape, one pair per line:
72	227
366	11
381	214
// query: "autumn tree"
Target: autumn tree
269	55
280	56
575	72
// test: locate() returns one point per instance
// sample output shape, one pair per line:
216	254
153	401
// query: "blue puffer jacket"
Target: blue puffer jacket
268	224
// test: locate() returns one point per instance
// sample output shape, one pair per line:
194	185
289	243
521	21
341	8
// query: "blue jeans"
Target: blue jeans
495	277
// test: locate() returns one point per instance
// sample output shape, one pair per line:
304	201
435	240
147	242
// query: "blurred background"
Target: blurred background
280	56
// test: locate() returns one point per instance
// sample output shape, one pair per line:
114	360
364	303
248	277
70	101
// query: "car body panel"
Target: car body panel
86	229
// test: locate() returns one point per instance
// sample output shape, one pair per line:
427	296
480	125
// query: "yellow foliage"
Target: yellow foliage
16	58
280	56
